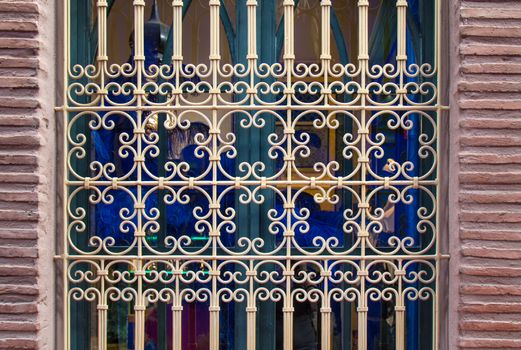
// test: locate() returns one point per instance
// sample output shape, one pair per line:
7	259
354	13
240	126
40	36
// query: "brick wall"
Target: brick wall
19	144
488	93
26	209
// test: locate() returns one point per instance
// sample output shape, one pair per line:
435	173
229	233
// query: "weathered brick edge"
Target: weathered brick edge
26	174
488	103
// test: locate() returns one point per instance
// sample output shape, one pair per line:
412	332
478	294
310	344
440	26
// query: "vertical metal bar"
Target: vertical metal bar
252	58
251	310
259	149
242	39
439	113
65	174
325	54
399	309
139	205
325	312
325	58
363	62
102	308
401	52
177	64
215	59
177	27
289	205
102	59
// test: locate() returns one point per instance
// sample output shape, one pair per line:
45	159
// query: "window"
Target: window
251	174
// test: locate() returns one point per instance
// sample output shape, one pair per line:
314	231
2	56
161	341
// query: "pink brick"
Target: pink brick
487	112
18	7
18	344
21	127
487	13
480	343
18	308
480	308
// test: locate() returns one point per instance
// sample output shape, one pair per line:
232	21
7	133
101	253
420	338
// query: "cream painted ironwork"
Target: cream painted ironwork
374	91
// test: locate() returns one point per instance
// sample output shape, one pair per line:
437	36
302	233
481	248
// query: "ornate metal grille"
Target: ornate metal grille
246	246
